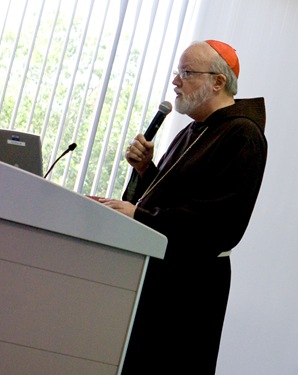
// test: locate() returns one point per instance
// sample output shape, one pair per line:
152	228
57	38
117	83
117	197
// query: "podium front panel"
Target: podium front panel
65	304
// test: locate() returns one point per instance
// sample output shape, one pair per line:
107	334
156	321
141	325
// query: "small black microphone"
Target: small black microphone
70	148
163	110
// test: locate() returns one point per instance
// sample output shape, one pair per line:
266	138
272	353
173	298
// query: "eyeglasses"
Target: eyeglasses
187	74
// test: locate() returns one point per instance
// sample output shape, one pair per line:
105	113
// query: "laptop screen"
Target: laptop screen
22	150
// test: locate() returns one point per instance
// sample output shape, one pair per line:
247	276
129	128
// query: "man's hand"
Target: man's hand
124	207
139	153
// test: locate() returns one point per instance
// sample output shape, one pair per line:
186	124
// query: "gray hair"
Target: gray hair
219	65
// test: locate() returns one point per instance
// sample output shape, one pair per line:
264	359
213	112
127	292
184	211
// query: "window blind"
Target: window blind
91	72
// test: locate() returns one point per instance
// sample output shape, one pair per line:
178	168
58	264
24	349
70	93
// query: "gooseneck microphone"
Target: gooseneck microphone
70	148
163	110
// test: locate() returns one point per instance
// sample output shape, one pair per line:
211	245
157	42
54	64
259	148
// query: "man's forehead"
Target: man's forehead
195	54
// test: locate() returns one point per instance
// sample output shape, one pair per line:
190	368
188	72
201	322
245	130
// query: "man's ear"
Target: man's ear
220	82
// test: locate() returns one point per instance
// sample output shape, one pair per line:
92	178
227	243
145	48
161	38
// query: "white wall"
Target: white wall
261	329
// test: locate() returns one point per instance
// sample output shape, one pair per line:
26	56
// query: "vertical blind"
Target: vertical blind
91	72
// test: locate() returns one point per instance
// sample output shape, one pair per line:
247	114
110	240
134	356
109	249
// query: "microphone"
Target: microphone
70	148
163	110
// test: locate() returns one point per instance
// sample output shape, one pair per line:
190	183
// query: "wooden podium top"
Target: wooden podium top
31	200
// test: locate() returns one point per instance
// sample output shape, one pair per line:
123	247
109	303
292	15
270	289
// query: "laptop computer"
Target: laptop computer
22	150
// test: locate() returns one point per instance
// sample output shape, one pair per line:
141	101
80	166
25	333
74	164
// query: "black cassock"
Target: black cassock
201	197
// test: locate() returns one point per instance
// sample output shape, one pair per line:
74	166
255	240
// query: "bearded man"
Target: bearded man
201	196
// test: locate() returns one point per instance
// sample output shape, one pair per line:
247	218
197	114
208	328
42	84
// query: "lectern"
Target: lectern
71	274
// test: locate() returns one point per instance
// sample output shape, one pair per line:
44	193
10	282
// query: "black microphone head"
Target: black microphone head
165	107
72	146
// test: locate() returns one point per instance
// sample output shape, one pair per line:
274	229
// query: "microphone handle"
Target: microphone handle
154	126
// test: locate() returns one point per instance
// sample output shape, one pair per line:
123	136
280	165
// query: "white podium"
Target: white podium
71	273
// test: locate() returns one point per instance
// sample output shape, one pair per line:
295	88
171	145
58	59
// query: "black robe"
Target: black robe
203	205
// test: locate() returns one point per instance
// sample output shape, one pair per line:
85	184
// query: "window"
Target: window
91	72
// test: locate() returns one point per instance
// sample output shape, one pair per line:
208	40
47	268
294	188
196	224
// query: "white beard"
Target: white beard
186	104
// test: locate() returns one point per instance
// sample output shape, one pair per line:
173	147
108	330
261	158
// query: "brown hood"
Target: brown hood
253	109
